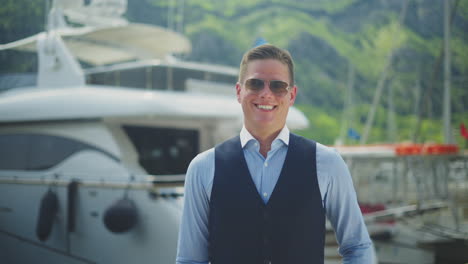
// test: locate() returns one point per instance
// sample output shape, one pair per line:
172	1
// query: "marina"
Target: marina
93	160
414	200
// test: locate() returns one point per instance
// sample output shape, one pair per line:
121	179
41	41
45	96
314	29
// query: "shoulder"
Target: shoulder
327	153
200	173
228	145
330	162
302	144
203	160
300	139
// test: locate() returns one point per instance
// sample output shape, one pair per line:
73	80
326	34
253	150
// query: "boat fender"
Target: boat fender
72	189
47	212
121	216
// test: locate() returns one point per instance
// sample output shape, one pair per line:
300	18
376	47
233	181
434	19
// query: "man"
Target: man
262	197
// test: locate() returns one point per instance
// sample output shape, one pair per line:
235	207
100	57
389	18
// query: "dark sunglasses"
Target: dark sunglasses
279	88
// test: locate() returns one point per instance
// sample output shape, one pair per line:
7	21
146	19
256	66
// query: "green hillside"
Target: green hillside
327	40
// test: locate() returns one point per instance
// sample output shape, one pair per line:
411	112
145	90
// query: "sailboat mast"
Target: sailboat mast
383	77
348	114
447	74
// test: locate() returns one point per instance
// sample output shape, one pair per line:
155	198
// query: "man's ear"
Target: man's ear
292	95
238	90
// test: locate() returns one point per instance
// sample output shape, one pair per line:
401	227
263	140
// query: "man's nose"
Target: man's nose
266	91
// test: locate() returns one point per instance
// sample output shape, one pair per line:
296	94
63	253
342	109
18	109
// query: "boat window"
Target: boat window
181	75
135	78
164	151
38	152
157	77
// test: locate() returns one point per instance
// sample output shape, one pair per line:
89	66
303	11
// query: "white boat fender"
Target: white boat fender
121	216
47	212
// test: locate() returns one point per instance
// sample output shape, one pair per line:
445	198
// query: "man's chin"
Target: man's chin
267	124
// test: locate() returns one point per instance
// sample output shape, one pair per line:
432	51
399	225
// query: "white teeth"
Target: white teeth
266	107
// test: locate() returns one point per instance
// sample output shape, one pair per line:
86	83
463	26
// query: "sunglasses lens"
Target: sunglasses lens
279	87
254	84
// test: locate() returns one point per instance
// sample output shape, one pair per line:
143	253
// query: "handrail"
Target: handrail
140	182
426	149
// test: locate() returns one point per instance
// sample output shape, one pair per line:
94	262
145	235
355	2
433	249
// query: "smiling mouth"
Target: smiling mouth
265	107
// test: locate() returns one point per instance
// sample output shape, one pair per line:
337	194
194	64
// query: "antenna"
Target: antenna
57	67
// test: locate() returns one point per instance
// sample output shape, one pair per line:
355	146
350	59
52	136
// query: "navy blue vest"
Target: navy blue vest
289	229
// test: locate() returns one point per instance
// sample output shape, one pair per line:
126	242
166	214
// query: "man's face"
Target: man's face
264	110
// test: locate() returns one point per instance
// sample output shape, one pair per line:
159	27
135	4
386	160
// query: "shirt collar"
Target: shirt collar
245	136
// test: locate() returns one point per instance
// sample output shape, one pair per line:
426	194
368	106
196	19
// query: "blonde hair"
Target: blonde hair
267	51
